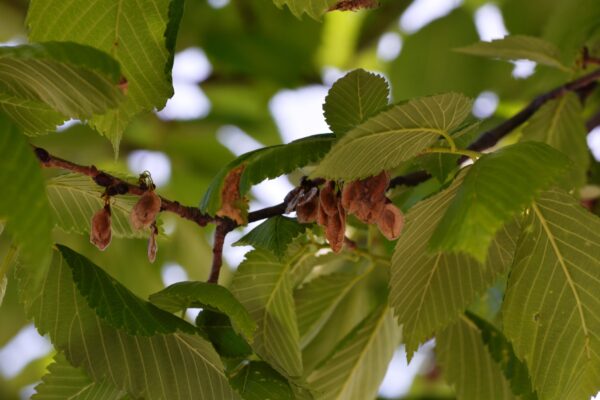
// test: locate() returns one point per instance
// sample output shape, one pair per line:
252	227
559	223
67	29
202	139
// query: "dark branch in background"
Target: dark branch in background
493	136
116	186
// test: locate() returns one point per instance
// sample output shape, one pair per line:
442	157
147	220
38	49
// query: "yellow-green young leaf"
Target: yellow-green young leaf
115	304
63	381
274	235
560	124
263	285
140	35
550	312
7	261
467	364
74	80
258	381
394	136
182	295
34	117
496	188
23	202
162	366
354	98
74	200
516	47
317	300
428	290
267	163
314	8
357	367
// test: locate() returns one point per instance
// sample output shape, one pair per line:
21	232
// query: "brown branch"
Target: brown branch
493	136
224	226
115	186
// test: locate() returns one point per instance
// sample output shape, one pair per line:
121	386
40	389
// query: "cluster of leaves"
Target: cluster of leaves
297	321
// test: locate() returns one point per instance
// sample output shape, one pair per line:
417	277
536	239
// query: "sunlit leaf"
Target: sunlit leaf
560	124
550	309
182	295
317	300
360	361
23	201
74	80
467	364
74	200
63	381
496	188
353	99
394	136
263	285
274	235
428	290
139	35
516	47
35	117
180	364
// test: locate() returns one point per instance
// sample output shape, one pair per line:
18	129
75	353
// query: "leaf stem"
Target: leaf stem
473	155
449	140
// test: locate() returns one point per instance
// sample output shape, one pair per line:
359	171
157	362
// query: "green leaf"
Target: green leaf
359	364
353	99
467	364
496	188
560	124
258	381
224	338
115	304
274	235
267	163
429	290
317	300
180	364
23	202
550	309
503	353
5	264
516	47
394	136
182	295
76	81
63	381
74	200
140	36
263	285
35	117
314	8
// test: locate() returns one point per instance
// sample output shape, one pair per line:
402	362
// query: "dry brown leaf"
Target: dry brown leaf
308	208
233	206
366	198
328	198
391	221
101	233
145	210
152	244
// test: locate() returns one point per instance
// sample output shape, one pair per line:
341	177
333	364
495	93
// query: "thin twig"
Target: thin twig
493	136
222	229
116	186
